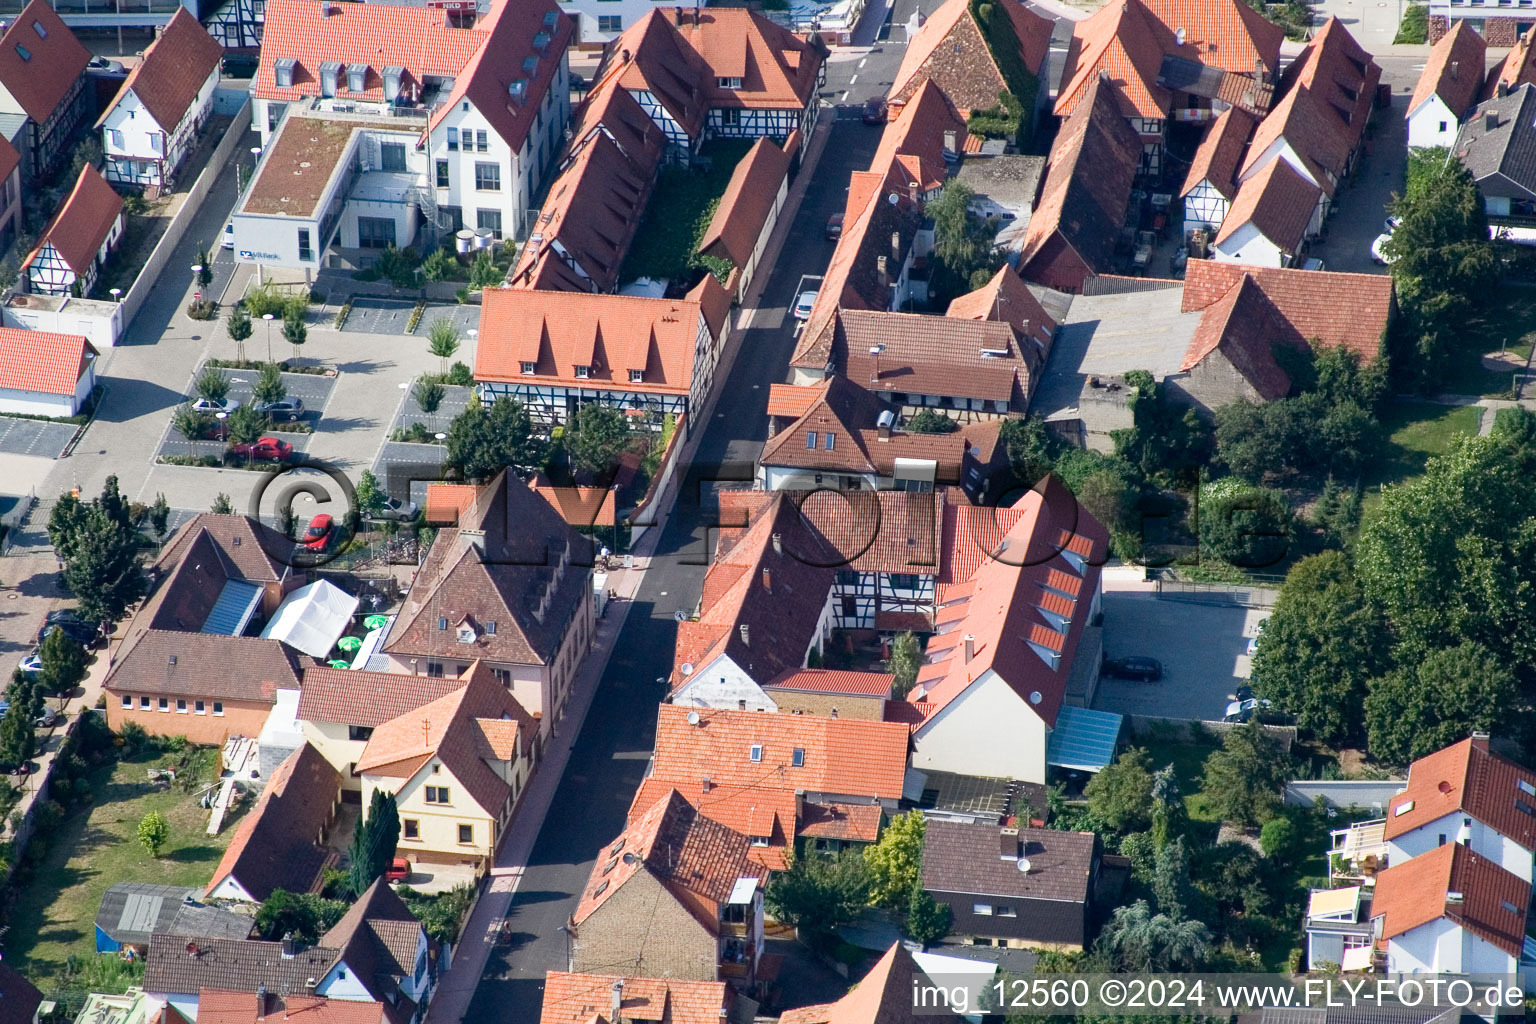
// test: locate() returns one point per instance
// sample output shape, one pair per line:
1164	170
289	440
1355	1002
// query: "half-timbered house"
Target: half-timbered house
1211	183
78	240
42	88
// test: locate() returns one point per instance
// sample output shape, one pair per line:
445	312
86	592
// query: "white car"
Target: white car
1390	224
1253	646
1242	710
1379	252
803	305
229	235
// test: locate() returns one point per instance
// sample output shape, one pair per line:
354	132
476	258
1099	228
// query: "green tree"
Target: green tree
1450	693
153	832
1166	439
815	893
212	385
160	515
1249	527
1242	780
63	663
1137	940
221	505
1280	840
595	438
905	661
962	242
1169	816
245	425
1262	442
374	842
204	260
370	496
18	729
1031	452
927	919
443	341
895	861
483	273
297	333
1176	894
269	386
1320	649
239	325
305	916
926	421
483	440
437	266
1121	794
1112	497
191	423
429	395
99	545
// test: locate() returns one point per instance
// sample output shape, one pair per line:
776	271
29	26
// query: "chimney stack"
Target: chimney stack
896	247
1455	68
1490	120
778	543
951	141
1009	847
767	579
618	983
912	188
970	648
882	270
288	946
1503	90
745	636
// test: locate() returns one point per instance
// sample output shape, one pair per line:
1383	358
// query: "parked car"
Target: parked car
111	67
82	633
320	533
874	111
1242	710
1244	692
1390	224
229	235
268	448
399	870
394	508
1146	670
803	305
835	226
47	718
215	405
1253	646
1379	252
239	65
32	664
283	409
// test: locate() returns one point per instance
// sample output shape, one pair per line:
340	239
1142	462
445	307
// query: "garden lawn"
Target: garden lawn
678	212
1188	760
97	846
1417	431
1508	324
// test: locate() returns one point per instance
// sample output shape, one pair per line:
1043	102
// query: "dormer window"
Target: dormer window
728	83
759	840
583	371
528	369
636	376
282	72
756	753
357	77
466	633
392	77
330	73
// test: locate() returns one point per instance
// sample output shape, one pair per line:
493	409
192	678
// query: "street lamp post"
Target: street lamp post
117	294
268	318
197	282
223	417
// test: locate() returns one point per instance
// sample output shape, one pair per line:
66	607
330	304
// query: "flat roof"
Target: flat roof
297	166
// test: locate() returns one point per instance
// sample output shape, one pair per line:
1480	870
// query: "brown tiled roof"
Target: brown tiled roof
1315	132
1006	298
42	361
10	158
1466	778
55	60
843	409
581	507
1340	73
884	996
963	858
276	845
1492	903
832	681
972	83
650	56
377	937
1516	69
912	145
1087	182
588	999
866	531
1246	327
858	823
933	355
744	207
82	224
1348	310
1454	70
244	546
1278	201
696	858
793	400
449	730
611	334
418	39
19	998
367	699
172	72
1002	609
1120	39
516	31
1220	152
203	665
522	583
177	964
222	1006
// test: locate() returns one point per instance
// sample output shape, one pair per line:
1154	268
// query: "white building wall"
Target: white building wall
130	132
986	731
1247	245
36	403
1444	947
1432	124
1282	150
722	684
1485	842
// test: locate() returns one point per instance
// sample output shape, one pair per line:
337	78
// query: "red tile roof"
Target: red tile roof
971	534
1516	69
832	681
172	72
82	224
1001	609
55	60
1220	152
367	699
793	401
41	361
276	845
932	355
447	502
1492	902
1466	778
866	531
218	1006
951	29
1350	310
1454	70
581	507
418	39
588	999
612	334
749	198
883	996
1121	40
696	858
1312	129
858	823
1278	201
912	145
1006	298
1246	327
1340	73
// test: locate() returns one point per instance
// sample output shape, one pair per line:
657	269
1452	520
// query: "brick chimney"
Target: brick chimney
768	579
970	648
1009	845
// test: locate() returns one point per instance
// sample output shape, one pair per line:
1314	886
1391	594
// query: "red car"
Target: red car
318	536
399	870
269	448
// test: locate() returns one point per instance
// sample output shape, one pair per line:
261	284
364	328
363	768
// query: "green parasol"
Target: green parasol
338	663
349	643
376	621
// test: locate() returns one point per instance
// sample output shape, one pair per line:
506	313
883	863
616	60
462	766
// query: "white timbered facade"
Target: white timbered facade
859	598
237	24
1205	206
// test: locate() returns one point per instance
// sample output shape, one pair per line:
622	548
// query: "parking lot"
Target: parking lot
454	401
1202	648
405	469
34	437
372	315
311	389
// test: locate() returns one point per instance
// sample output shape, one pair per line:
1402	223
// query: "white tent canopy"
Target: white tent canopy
312	618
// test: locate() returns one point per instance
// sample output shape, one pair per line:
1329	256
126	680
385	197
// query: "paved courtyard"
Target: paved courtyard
34	437
376	315
404	469
455	399
1203	649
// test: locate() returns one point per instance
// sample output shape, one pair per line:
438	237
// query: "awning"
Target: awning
1332	902
1083	740
313	618
1357	959
233	608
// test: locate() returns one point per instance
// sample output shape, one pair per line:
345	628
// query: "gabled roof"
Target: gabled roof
1456	884
1006	299
1278	201
1220	152
912	146
962	857
203	665
1336	309
366	699
41	361
1466	778
932	355
748	199
276	845
1454	70
172	72
1313	130
1245	326
222	1006
612	335
518	593
419	40
177	964
378	938
651	57
1517	68
1341	74
246	548
697	859
883	996
478	723
1501	156
19	998
588	999
1025	608
833	681
952	29
40	60
525	41
82	224
1087	182
1121	41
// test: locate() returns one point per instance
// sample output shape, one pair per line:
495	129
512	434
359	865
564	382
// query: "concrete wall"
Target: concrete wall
1342	794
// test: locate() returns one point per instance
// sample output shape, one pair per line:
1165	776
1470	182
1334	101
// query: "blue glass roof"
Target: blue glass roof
1083	739
233	610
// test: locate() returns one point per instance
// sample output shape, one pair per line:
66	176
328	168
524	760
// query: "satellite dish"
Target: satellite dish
630	858
1024	865
693	718
893	199
687	668
1034	697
